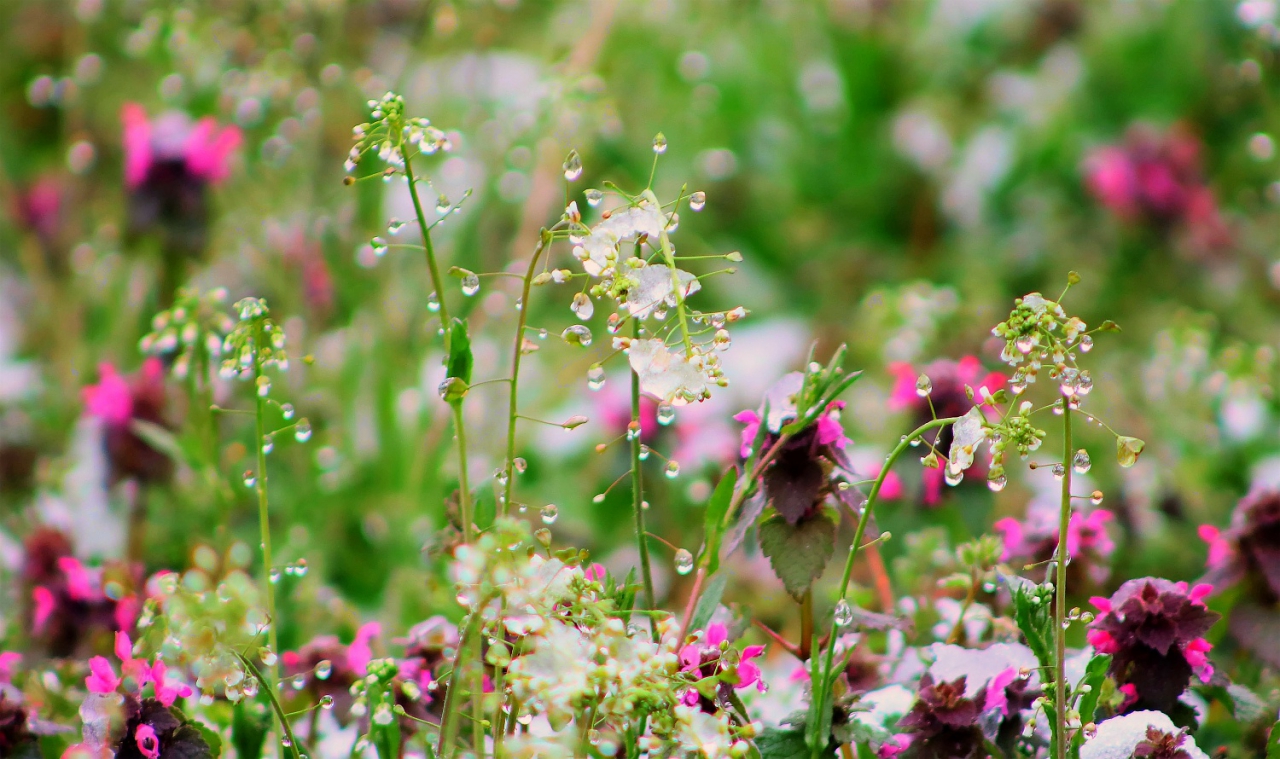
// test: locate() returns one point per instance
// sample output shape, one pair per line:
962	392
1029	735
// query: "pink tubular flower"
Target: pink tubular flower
102	678
1220	550
148	743
359	653
703	658
751	420
8	662
167	692
81	584
110	400
1196	651
44	603
896	744
997	698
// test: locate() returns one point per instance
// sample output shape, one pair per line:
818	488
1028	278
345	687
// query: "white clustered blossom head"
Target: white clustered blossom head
598	251
652	287
1119	736
707	736
968	434
669	375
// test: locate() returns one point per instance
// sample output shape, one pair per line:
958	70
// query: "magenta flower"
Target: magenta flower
1154	629
147	741
1035	542
8	662
704	657
103	677
202	149
118	403
1249	549
359	653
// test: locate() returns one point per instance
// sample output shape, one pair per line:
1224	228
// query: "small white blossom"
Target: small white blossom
651	287
967	437
667	375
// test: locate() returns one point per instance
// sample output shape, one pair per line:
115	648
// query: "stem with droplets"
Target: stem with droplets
264	521
426	241
513	408
637	491
1060	593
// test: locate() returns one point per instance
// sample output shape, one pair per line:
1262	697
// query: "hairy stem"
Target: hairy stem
1060	594
637	491
513	406
436	282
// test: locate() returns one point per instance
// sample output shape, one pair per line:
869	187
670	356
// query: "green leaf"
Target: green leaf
1245	705
211	737
485	511
776	743
717	507
798	553
249	724
1273	742
460	359
711	596
1109	326
1094	675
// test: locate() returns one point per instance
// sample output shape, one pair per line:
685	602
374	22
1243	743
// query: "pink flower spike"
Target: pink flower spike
716	634
80	585
110	399
148	743
124	647
43	600
1200	592
1101	604
8	661
103	678
359	653
167	693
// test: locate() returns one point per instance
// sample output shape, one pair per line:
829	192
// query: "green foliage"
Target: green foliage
798	553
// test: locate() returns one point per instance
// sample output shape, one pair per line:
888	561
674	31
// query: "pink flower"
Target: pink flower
749	432
166	692
1011	530
1102	641
1220	551
80	582
829	430
704	659
997	698
8	662
1101	604
102	678
148	743
595	573
44	603
895	745
110	400
1195	653
359	653
1111	178
204	149
126	612
1130	692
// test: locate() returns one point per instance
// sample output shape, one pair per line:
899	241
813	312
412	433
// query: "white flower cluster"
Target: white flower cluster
389	131
192	331
630	252
1031	334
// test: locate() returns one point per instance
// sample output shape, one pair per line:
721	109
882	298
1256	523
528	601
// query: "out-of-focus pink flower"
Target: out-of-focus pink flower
110	400
703	657
44	603
203	148
102	678
997	698
359	653
118	402
896	744
8	662
148	743
167	692
1220	550
595	572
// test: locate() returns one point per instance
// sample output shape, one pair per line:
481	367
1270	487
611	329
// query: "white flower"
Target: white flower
1119	736
707	735
967	436
669	376
650	287
598	251
557	672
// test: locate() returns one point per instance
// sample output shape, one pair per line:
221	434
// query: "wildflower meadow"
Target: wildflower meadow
691	379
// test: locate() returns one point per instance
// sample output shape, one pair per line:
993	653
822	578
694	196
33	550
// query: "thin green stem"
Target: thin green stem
669	256
464	488
264	521
267	687
1060	593
517	352
637	491
449	717
477	696
806	623
867	510
436	282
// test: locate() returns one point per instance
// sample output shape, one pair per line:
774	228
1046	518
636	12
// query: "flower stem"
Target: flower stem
464	489
637	491
806	623
669	256
868	508
1060	593
436	282
513	407
264	521
267	687
449	718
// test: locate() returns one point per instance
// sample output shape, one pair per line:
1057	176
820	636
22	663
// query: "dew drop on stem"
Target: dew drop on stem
843	613
684	561
550	513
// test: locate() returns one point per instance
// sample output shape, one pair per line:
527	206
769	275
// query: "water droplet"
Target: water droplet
1084	383
326	701
300	569
1096	497
1059	471
324	668
643	455
550	513
673	469
286	742
582	307
470	284
1086	343
953	478
442	204
997	483
843	613
249	479
298	682
633	430
1081	462
268	445
684	561
573	166
274	575
1024	344
666	414
267	656
250	688
264	386
924	385
577	334
660	143
394	226
302	430
520	465
595	377
594	197
697	201
287	410
433	303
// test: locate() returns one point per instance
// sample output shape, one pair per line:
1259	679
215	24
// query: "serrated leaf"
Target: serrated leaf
798	553
211	737
776	743
460	358
1245	705
1032	619
711	596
